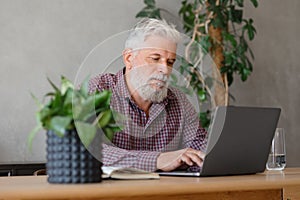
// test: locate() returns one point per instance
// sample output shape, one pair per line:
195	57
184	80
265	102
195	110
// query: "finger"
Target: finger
191	159
198	152
197	155
187	160
201	155
195	158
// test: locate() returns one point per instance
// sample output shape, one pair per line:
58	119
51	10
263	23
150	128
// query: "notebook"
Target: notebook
122	173
239	141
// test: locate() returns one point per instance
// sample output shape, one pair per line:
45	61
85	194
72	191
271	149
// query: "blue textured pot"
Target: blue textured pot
68	161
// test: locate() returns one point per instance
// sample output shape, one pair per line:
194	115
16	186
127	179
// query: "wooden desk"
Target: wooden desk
267	186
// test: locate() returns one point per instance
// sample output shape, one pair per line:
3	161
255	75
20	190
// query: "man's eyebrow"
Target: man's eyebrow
158	54
155	54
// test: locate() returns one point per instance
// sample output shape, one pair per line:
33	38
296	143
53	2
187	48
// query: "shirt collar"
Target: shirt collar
121	87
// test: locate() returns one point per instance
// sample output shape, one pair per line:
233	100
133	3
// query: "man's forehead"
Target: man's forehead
158	43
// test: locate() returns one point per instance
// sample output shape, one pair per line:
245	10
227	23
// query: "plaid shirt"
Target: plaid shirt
172	124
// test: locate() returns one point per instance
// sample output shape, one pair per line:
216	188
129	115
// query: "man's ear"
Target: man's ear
127	58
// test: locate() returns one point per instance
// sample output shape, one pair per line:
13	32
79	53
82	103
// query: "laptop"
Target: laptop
239	141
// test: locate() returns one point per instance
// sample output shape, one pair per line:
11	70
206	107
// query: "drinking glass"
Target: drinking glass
277	154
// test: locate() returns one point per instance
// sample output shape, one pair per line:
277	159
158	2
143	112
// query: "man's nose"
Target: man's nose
164	68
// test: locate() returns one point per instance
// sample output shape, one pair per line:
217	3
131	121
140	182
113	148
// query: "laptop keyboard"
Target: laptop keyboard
194	169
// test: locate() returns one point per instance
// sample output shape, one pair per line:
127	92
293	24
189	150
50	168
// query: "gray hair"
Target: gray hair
151	27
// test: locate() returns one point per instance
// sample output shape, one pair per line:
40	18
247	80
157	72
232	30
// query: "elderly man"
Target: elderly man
161	129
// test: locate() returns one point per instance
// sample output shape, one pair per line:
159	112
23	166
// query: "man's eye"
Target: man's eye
154	58
171	62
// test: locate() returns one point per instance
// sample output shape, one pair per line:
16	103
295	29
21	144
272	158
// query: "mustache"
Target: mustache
160	77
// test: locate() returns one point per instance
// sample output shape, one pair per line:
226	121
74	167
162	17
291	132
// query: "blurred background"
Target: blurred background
40	39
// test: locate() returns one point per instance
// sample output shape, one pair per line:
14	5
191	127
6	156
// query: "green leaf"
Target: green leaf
84	110
109	133
245	73
250	66
251	53
65	85
32	135
237	15
243	45
46	113
104	118
205	43
141	14
119	118
255	3
240	3
101	97
229	77
217	23
204	119
150	12
229	37
84	89
223	70
183	7
249	28
107	102
37	102
220	19
57	102
186	12
86	132
156	14
240	50
53	85
68	96
250	34
77	109
49	94
202	95
100	109
227	62
150	3
59	125
224	2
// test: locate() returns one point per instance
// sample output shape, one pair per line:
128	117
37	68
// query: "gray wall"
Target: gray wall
40	38
276	76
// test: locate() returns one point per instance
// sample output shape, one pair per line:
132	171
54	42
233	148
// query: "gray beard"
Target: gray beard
144	89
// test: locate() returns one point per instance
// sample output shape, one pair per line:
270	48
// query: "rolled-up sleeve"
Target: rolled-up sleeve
194	136
114	156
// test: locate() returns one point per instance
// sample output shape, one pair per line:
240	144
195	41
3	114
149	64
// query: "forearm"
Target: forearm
114	156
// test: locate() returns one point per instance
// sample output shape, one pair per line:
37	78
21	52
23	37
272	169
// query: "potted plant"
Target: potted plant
72	118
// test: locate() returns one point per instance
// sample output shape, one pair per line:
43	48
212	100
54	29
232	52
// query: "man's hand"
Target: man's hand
169	161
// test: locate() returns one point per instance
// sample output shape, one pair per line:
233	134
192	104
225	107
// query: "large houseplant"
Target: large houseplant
221	29
72	118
